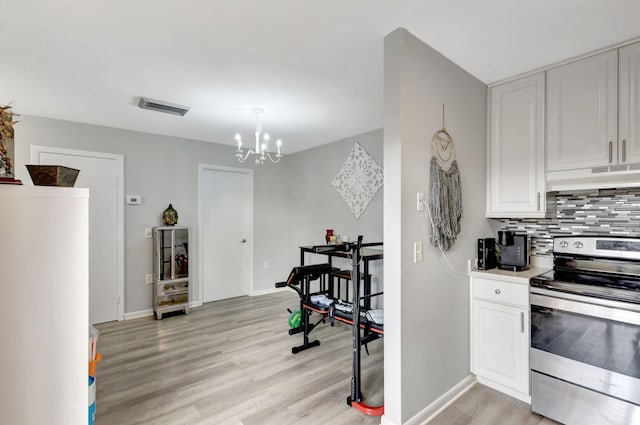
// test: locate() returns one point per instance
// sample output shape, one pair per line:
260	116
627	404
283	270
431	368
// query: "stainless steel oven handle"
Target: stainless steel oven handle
587	307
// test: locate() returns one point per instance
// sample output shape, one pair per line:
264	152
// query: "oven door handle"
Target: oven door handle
620	312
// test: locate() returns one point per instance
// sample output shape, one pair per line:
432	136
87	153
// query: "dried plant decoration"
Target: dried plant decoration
6	144
7	122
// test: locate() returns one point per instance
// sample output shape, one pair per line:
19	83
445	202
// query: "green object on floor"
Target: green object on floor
294	319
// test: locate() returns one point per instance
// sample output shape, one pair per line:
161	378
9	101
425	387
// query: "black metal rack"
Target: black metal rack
300	280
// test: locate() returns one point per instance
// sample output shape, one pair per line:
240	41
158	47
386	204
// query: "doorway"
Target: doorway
103	174
225	197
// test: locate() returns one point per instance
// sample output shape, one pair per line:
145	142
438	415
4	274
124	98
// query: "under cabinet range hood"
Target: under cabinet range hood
613	177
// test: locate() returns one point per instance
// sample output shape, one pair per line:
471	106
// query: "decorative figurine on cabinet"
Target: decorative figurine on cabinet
170	216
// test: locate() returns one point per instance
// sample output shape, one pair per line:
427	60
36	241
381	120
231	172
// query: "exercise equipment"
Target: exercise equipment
294	318
346	311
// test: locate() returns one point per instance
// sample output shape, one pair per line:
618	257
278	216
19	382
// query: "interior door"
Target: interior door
101	174
226	215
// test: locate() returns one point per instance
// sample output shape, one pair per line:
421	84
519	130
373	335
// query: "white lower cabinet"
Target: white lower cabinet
500	335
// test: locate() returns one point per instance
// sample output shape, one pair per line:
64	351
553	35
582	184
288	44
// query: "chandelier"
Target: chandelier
259	153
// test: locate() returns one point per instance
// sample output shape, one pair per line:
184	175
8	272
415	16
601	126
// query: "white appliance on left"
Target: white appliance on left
44	309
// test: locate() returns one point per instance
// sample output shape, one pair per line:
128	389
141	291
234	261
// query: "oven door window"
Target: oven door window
604	343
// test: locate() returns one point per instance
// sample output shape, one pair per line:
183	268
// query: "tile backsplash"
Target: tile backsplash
603	212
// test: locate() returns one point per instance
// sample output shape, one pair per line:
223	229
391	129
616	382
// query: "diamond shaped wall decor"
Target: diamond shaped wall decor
358	180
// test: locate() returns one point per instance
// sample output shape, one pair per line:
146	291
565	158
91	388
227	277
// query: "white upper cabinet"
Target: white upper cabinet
629	101
582	118
515	158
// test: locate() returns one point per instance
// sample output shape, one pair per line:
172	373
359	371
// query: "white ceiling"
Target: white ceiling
316	67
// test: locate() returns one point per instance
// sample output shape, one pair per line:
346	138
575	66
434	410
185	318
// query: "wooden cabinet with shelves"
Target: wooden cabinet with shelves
500	335
515	171
170	270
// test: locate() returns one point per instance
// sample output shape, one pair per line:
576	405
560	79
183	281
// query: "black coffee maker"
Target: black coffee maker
514	251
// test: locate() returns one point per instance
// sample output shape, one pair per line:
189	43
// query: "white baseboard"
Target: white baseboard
505	390
385	421
149	311
138	314
445	400
266	291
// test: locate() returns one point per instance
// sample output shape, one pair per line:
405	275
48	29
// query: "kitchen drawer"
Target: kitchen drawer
173	288
172	299
501	292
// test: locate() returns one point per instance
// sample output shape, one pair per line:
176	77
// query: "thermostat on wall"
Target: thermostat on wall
133	199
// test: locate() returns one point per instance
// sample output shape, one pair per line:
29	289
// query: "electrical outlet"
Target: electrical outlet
417	252
147	232
266	265
420	201
149	278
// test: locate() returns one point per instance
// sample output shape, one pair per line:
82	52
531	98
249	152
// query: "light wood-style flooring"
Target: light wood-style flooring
230	363
482	405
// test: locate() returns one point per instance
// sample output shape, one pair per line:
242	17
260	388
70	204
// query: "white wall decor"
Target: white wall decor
358	180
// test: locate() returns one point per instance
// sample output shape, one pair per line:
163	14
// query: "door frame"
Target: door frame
249	225
37	149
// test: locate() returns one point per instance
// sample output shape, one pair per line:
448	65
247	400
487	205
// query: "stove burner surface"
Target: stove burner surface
619	288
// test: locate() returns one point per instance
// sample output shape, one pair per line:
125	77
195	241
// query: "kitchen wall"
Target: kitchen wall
603	212
427	304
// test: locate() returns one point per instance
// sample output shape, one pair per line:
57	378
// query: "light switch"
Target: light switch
147	232
417	252
149	278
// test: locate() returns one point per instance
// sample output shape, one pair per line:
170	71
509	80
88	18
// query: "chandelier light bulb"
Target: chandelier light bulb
260	151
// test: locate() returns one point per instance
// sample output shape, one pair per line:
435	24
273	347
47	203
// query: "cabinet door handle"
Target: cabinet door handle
610	151
624	150
538	202
497	291
522	322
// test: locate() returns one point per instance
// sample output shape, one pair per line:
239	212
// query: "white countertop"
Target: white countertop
509	276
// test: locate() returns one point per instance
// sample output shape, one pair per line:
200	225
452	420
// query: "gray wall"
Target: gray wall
304	204
161	169
297	203
315	205
293	200
427	304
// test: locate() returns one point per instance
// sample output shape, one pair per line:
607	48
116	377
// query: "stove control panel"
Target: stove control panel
598	246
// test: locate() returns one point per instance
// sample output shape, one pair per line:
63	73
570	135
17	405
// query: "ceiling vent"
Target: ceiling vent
161	106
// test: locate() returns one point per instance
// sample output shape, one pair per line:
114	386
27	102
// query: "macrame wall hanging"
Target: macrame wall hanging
445	192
